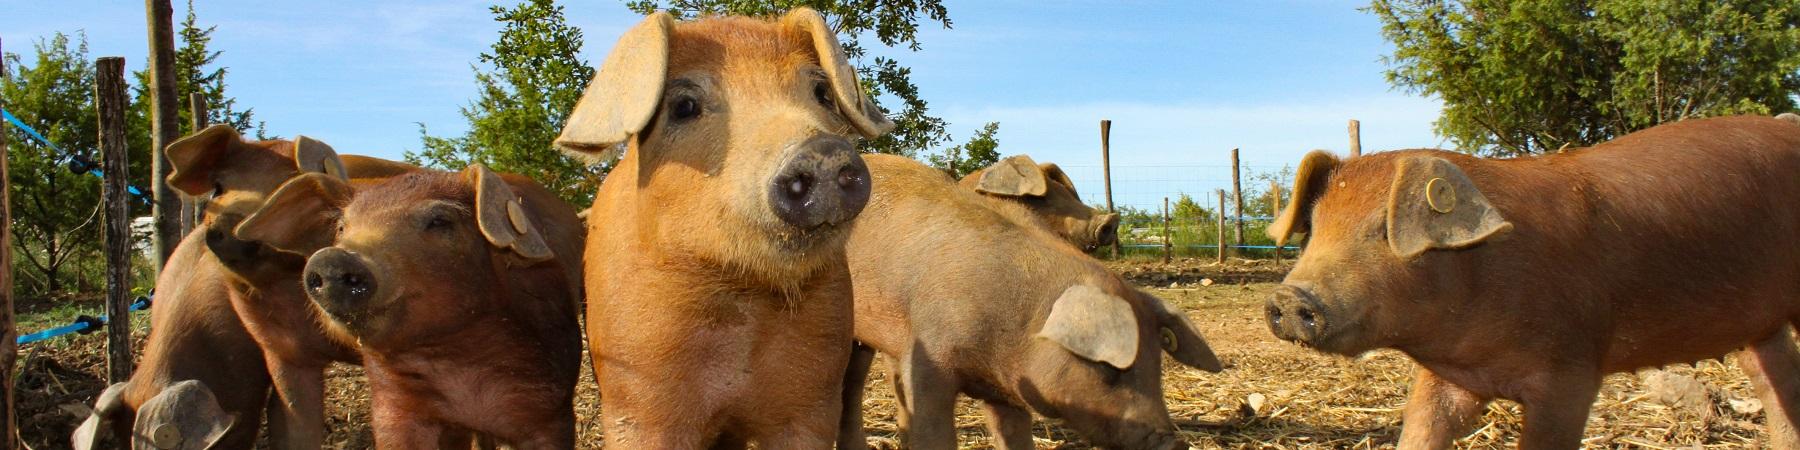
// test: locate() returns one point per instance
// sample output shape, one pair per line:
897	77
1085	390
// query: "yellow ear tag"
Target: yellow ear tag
1168	340
1440	195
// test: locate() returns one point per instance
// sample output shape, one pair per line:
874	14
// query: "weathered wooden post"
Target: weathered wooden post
9	348
164	128
1237	198
1168	245
1221	226
109	93
1355	138
194	208
1275	210
1106	171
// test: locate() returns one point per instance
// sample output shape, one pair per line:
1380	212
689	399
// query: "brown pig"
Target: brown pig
1530	279
718	294
1050	195
459	289
982	301
194	332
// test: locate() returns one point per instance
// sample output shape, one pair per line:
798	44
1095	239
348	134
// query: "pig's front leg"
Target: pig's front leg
930	400
902	419
1556	408
1009	426
398	427
856	376
1774	369
1437	413
297	420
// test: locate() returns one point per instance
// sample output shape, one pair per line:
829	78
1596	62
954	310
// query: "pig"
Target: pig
459	290
718	297
194	332
1529	279
1050	195
967	298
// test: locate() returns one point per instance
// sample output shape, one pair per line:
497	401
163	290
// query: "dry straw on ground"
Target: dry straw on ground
1301	399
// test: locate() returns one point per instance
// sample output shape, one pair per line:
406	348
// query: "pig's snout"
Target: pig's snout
339	281
822	182
1295	315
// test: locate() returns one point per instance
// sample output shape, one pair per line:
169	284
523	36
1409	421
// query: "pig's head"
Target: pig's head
1097	364
741	131
238	174
1387	234
413	257
1049	193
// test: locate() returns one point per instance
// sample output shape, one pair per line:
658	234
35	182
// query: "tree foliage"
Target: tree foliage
536	79
893	23
1530	76
982	150
55	220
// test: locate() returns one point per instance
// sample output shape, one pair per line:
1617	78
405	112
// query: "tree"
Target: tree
1186	210
980	151
1532	76
55	211
524	101
893	23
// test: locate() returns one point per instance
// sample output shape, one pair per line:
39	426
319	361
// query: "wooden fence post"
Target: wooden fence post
1237	199
1275	210
1106	171
1355	138
195	207
1168	245
1221	226
165	109
9	333
109	93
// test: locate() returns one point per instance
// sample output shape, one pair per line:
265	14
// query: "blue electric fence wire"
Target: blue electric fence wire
77	163
83	324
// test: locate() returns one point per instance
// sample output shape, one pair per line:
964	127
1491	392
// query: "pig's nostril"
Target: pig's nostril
799	185
314	281
848	178
1306	315
352	280
1274	314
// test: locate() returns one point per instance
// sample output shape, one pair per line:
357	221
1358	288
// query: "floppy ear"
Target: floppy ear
98	427
623	95
1093	325
1434	205
1309	183
191	158
1055	174
310	155
183	416
861	111
1790	117
1179	337
501	214
1014	176
301	216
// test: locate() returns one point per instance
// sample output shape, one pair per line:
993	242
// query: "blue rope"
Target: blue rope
77	163
1261	247
83	324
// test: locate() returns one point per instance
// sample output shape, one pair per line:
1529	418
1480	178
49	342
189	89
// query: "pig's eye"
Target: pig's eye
822	93
437	223
685	108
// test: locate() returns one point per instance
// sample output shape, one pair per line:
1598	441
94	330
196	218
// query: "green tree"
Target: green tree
1188	211
536	80
980	151
1531	76
55	212
892	23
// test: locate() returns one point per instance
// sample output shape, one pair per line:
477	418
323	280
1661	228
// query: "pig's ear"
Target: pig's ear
184	415
501	214
1309	184
1055	175
623	95
192	158
299	217
310	155
98	426
1433	205
1015	176
858	108
1179	337
1790	117
1093	325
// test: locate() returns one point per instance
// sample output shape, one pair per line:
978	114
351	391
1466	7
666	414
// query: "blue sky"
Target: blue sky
1184	82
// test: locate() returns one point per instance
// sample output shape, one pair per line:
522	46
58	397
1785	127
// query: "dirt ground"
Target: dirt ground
1303	399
